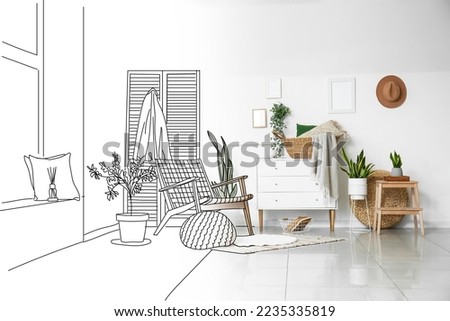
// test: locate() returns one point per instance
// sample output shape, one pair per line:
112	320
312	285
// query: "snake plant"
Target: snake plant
358	169
224	165
396	160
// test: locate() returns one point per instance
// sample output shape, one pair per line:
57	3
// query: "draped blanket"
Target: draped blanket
152	138
325	166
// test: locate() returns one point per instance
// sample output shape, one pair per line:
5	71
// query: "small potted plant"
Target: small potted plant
358	172
279	113
396	160
132	225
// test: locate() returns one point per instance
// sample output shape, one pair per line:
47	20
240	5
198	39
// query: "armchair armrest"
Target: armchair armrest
230	181
178	184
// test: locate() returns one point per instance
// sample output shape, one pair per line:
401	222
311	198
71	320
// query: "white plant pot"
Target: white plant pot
132	228
357	188
396	171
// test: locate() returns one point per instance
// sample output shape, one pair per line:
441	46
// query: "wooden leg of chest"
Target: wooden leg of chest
332	219
260	215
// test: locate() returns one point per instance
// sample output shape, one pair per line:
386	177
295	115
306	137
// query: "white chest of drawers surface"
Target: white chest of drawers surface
287	185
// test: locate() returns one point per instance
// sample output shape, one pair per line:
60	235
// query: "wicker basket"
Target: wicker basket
296	147
295	225
392	197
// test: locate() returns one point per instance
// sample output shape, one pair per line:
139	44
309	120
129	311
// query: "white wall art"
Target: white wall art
341	95
259	118
273	88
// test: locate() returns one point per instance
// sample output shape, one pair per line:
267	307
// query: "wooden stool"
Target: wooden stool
414	209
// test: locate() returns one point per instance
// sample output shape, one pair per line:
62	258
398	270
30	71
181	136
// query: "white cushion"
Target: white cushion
40	180
330	126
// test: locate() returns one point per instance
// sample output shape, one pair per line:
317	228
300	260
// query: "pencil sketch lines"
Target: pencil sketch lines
36	34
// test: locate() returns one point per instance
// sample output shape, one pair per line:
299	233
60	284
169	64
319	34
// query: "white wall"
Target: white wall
238	44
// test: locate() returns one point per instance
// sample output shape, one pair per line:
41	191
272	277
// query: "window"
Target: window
22	97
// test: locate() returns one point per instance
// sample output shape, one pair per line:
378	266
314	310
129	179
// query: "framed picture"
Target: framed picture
259	118
341	95
273	88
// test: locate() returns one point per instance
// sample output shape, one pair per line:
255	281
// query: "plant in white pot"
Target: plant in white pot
396	160
132	226
357	172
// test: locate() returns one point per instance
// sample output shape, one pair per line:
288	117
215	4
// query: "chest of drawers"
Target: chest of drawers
286	184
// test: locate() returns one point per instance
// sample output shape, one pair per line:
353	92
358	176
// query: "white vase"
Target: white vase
396	171
357	188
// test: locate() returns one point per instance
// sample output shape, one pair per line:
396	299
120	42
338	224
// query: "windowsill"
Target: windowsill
26	202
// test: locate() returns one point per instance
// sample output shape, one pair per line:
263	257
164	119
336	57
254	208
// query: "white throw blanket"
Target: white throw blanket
325	166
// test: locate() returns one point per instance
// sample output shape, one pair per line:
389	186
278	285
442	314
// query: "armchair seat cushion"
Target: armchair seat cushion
207	230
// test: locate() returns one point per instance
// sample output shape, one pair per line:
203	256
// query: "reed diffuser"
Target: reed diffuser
52	192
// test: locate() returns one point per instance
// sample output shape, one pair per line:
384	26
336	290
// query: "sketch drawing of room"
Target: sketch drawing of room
198	151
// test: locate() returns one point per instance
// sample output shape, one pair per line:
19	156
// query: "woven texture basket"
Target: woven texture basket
295	225
296	147
392	197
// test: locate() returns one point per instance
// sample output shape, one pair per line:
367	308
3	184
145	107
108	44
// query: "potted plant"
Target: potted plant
132	225
279	113
396	160
224	165
357	172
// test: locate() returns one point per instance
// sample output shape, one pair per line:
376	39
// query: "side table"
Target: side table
414	208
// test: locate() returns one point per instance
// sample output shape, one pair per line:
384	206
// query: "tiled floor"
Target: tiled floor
91	279
397	265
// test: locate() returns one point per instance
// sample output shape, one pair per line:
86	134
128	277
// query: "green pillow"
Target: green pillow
301	129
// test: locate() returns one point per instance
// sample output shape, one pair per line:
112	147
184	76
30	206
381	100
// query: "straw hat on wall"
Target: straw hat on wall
391	91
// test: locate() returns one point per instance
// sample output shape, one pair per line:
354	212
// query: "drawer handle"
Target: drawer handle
276	184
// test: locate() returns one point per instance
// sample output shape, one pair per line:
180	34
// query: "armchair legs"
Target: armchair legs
248	219
162	224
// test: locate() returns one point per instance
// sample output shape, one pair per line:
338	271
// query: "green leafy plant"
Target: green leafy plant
224	165
358	168
129	178
396	159
279	113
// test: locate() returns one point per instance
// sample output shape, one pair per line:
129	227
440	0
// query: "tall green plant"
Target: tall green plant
279	113
396	160
224	165
358	169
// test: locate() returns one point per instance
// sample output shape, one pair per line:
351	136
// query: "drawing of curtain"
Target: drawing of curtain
152	139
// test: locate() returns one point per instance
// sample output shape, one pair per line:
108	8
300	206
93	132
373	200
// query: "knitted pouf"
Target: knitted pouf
392	197
206	230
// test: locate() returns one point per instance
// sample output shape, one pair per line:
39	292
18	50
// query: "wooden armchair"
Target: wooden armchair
186	188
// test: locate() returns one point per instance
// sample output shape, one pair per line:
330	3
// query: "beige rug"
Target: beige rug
269	242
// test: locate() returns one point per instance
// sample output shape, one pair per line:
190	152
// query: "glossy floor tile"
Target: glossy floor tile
397	265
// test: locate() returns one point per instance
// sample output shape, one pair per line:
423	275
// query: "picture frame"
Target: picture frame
259	118
273	88
341	95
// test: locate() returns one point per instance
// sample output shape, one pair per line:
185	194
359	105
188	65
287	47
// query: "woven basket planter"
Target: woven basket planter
392	197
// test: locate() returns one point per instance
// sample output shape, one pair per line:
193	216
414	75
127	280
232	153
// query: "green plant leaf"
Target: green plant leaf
358	169
213	140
